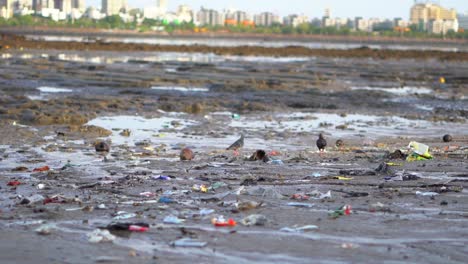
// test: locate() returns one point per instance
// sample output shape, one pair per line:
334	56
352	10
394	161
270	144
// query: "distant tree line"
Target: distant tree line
116	22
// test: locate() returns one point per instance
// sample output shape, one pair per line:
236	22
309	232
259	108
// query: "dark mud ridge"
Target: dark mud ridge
18	42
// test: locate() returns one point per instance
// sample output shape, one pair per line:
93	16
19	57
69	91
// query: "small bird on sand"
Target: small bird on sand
321	143
237	145
339	143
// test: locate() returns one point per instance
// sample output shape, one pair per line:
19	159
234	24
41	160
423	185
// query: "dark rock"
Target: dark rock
447	138
397	154
358	172
259	155
102	147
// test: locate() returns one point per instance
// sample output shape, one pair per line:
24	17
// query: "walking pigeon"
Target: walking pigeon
321	143
237	145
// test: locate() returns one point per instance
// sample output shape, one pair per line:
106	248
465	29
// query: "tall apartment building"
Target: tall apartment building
238	16
79	4
38	5
6	8
113	7
295	20
423	13
210	17
63	5
162	6
463	21
266	19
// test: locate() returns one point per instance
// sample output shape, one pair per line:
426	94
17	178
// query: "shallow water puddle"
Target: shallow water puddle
47	89
180	89
373	126
407	90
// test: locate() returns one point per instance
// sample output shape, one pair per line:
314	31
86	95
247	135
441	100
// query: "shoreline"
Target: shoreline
91	32
11	41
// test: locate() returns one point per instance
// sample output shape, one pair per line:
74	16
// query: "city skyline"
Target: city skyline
311	8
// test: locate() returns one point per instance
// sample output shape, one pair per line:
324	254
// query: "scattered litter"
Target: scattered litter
307	205
205	211
41	169
14	183
277	162
301	229
188	242
134	227
200	188
343	178
221	222
344	210
36	198
315	175
419	152
161	177
247	205
122	215
426	193
41	186
349	246
254	220
300	196
165	200
170	219
318	195
147	194
45	229
98	236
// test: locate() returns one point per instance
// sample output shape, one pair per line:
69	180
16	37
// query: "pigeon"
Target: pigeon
321	143
237	145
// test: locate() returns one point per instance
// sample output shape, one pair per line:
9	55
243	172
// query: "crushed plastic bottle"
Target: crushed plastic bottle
161	177
221	222
98	236
254	220
14	183
171	219
426	193
205	211
165	200
301	229
306	205
45	229
188	242
344	210
122	215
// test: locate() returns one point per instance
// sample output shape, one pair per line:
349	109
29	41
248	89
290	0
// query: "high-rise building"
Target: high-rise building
79	4
266	19
38	5
113	7
425	12
210	17
162	6
463	21
6	8
295	20
238	16
63	5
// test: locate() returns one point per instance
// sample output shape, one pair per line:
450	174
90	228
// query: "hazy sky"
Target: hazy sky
311	8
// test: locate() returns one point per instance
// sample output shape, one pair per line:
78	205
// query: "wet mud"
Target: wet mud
360	201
